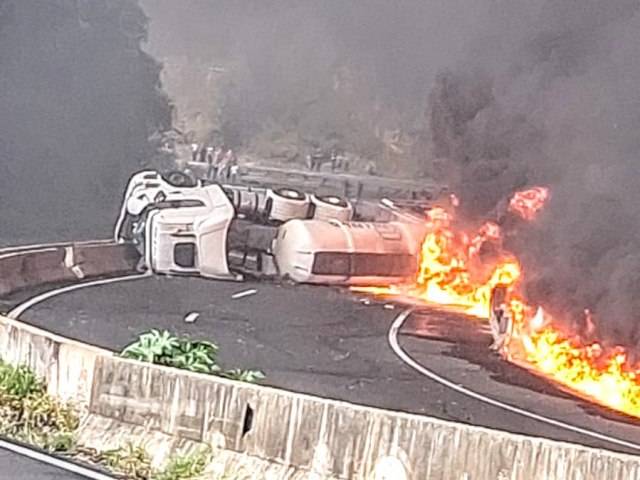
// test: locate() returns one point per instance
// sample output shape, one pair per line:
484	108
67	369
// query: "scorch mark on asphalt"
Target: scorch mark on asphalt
407	359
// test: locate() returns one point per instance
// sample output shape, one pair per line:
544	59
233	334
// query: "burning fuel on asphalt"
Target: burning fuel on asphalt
455	273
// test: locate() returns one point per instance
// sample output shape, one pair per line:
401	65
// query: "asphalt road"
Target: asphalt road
326	342
18	467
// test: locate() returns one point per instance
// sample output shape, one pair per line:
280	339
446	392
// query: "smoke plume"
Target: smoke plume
78	101
303	72
550	95
517	93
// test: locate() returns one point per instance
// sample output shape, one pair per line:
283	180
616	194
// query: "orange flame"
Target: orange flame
452	272
527	203
601	375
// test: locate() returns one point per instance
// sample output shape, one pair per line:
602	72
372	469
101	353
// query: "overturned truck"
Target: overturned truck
232	231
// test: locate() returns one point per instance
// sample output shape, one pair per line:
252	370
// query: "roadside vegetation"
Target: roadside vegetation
134	461
29	414
163	348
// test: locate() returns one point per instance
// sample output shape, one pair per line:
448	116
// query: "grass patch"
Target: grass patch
133	461
29	414
185	466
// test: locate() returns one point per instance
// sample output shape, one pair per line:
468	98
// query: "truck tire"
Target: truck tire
331	207
285	204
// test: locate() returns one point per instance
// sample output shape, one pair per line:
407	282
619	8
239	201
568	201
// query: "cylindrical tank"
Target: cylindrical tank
354	253
245	201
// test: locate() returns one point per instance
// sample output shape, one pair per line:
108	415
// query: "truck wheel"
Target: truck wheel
331	207
285	204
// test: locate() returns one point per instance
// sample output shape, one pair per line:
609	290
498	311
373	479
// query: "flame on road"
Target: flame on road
450	272
456	272
601	375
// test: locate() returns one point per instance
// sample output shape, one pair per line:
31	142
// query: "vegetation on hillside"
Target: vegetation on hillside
163	348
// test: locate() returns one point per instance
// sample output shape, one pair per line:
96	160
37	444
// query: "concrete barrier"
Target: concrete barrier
63	263
273	433
67	365
329	439
99	260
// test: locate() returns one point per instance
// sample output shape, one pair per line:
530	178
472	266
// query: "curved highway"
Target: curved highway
330	343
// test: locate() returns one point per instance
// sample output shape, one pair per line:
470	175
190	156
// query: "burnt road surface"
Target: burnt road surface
327	342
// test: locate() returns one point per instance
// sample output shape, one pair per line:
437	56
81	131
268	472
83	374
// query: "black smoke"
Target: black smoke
309	71
78	101
550	96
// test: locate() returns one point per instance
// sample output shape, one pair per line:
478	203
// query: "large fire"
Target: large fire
460	271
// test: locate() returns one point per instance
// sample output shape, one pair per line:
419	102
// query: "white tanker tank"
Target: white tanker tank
351	253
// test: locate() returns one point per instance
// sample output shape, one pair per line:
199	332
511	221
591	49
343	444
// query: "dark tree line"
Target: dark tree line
79	99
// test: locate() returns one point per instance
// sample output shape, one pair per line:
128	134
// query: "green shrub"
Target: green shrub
250	376
19	381
162	348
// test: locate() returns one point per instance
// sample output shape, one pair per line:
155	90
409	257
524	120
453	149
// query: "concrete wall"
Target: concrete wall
65	263
330	438
283	434
67	365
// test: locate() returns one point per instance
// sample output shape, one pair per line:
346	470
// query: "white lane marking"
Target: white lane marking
54	461
12	251
404	356
20	309
245	293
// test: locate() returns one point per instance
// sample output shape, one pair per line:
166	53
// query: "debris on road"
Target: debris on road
191	317
245	293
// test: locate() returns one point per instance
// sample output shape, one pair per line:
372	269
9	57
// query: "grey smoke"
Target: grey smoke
78	101
320	69
551	96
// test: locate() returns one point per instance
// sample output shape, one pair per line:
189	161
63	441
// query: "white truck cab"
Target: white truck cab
187	233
